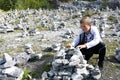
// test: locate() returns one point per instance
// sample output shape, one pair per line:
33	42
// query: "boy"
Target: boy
89	41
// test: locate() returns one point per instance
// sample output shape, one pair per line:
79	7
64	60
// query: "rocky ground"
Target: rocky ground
12	43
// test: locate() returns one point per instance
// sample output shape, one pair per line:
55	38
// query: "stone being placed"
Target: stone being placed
117	54
69	64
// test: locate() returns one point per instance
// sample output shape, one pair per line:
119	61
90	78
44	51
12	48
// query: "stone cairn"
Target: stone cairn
8	70
27	55
117	54
8	64
69	64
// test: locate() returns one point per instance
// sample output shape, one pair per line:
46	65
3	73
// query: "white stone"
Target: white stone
7	57
96	74
117	54
14	72
27	46
22	58
39	55
8	64
76	76
81	70
44	75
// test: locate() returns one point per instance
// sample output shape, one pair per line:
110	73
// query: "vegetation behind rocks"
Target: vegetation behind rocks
24	4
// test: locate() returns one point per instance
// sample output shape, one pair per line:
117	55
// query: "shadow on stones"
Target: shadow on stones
36	68
48	49
112	59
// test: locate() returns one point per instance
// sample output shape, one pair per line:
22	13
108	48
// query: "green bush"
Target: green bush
24	4
7	4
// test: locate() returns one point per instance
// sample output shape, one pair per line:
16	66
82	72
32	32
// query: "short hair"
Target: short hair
86	20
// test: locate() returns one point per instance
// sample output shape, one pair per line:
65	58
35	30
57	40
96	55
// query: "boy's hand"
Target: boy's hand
82	46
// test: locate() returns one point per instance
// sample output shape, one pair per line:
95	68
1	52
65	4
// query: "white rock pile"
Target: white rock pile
69	64
27	55
8	64
8	70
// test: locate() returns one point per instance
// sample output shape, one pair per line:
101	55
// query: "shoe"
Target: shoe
101	68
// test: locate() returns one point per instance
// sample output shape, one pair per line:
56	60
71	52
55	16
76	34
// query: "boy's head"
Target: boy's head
85	24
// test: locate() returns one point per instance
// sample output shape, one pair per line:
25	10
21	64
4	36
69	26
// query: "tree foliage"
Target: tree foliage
24	4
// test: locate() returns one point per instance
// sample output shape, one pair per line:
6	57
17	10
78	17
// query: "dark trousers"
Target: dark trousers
98	49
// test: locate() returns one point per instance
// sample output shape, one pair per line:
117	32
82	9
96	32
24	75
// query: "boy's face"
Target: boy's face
85	27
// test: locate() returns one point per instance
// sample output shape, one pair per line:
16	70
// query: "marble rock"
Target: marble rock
117	54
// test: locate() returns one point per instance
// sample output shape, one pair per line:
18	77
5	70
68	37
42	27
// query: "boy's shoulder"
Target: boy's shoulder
94	28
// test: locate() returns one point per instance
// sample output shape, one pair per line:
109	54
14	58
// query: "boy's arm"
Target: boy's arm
96	39
76	41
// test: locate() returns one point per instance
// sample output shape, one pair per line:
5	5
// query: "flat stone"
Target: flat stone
8	64
27	46
29	51
13	72
74	58
3	77
89	67
64	73
76	76
82	71
74	63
